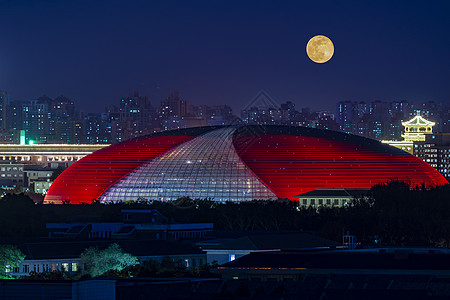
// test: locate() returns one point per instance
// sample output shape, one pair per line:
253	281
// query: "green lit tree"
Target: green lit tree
113	259
10	257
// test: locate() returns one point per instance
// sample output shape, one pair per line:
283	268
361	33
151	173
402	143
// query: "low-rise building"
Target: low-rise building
296	265
65	255
41	187
330	197
36	173
11	174
37	178
47	154
143	223
223	250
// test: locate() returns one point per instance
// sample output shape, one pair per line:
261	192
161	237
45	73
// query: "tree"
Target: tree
56	173
18	189
98	262
10	257
49	275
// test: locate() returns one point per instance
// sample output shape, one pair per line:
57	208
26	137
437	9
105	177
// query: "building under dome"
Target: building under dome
235	163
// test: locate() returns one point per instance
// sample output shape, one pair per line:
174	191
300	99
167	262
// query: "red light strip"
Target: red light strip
88	178
291	165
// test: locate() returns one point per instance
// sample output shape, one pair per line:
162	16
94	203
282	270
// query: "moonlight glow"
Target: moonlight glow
320	49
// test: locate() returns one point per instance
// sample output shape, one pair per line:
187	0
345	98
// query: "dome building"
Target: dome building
235	163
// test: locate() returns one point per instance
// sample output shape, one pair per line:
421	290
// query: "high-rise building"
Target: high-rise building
174	106
14	115
348	113
435	150
376	119
172	110
46	120
36	120
3	105
62	124
97	128
133	117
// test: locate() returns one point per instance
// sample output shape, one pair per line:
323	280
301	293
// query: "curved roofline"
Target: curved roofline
314	132
418	121
283	129
194	131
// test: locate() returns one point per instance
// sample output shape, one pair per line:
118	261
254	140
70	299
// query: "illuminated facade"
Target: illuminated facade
435	150
330	197
11	175
44	153
232	163
416	130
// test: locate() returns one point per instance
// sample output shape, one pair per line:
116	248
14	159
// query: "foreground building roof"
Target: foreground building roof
334	193
235	163
372	261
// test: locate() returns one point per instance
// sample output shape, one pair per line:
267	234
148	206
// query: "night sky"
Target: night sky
224	52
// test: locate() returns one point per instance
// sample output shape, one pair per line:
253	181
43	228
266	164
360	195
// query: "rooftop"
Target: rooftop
334	193
72	249
396	260
418	121
274	241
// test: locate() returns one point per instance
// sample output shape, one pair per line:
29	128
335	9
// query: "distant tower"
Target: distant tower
417	128
3	104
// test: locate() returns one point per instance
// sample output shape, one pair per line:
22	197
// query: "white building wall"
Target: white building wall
71	265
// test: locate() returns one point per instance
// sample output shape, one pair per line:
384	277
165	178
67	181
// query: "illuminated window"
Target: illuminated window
65	267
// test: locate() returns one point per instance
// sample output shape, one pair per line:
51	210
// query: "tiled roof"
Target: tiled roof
73	249
334	193
343	259
418	121
299	240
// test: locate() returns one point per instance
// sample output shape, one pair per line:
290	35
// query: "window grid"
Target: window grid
204	167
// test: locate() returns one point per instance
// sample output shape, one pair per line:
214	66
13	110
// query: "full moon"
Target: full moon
320	49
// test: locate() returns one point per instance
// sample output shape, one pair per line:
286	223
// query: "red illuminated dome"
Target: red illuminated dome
232	163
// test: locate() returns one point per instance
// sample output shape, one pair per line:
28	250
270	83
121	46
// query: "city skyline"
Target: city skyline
224	149
155	102
47	120
224	52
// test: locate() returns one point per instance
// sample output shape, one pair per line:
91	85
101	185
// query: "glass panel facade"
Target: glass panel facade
204	167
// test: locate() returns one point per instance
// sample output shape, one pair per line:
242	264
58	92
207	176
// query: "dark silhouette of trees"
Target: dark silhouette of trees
168	267
56	173
392	214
